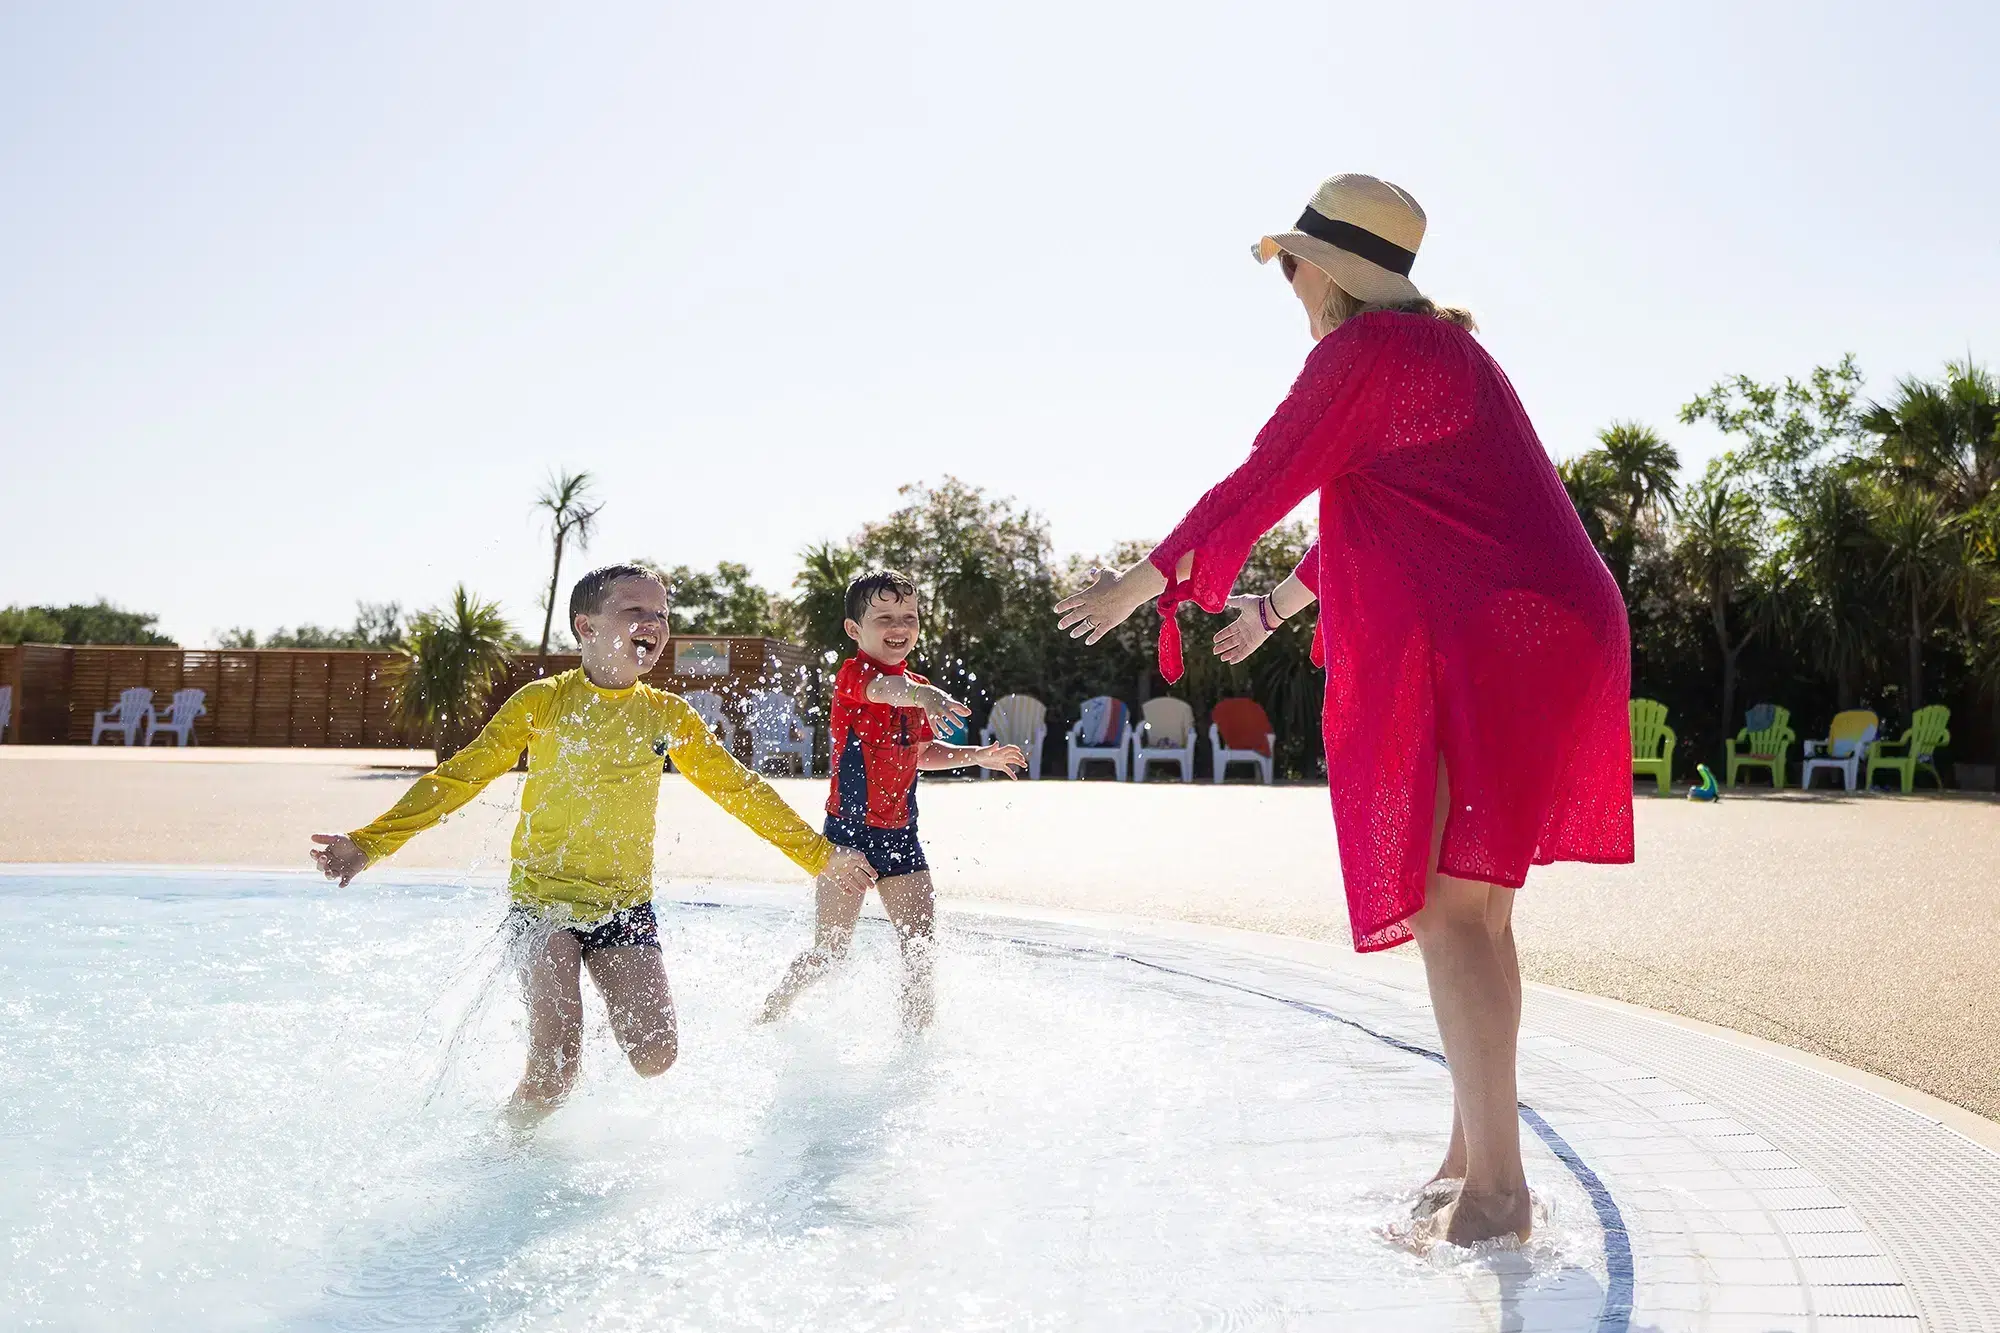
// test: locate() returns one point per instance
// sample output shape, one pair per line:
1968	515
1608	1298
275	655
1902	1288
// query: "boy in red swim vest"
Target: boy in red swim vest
883	734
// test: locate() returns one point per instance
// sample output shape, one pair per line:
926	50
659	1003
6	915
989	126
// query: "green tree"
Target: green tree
455	656
1784	430
1643	471
819	597
1942	437
1824	594
722	601
376	625
1718	550
94	622
1921	567
565	497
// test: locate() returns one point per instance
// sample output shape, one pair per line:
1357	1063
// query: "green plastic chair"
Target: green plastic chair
1652	743
1762	749
1919	746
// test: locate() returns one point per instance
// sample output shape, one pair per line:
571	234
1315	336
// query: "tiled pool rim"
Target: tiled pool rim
1741	1185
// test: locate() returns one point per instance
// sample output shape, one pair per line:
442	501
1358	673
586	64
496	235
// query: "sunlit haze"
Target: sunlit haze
299	305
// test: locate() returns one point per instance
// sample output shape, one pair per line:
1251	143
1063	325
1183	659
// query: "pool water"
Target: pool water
258	1101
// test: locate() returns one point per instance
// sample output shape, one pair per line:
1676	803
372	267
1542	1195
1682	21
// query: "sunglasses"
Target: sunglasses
1288	265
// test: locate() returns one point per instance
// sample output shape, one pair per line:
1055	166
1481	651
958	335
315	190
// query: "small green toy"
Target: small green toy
1706	789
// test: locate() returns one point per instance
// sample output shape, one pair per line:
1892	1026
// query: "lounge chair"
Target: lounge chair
1102	734
178	720
1918	745
1239	732
1165	736
134	710
708	706
1652	744
6	710
1767	733
1847	740
776	731
1017	719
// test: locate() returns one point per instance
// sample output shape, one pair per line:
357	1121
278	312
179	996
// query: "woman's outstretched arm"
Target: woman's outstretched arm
1259	614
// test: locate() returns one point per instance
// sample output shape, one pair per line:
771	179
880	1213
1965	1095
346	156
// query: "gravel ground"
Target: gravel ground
1863	929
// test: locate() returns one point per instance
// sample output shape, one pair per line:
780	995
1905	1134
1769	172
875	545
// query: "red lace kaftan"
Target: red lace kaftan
1463	614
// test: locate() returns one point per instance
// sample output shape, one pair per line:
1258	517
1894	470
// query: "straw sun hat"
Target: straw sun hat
1361	232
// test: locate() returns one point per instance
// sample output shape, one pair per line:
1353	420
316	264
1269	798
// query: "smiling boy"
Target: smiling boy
581	879
881	730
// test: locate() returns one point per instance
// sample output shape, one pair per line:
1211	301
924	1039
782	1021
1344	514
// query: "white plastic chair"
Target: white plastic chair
6	710
178	720
1166	736
1103	733
707	705
134	710
1017	719
1843	749
1246	720
775	730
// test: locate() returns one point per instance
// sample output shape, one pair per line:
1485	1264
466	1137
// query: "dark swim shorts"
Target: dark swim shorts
627	928
892	851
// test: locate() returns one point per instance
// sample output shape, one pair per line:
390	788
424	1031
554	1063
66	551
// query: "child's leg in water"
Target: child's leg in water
633	981
838	908
911	903
551	983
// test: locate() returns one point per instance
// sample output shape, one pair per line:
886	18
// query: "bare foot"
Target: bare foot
1469	1219
774	1007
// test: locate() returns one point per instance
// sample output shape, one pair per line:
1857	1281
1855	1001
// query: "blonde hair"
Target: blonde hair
1340	307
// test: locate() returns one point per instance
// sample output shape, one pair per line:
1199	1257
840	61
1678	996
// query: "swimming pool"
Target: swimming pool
253	1101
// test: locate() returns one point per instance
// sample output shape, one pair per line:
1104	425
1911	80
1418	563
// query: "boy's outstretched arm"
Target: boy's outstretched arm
1006	759
945	712
717	774
342	856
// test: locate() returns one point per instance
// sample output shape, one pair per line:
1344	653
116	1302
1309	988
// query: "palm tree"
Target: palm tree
1593	491
455	656
1921	566
1942	437
1825	596
563	496
1718	549
1643	471
821	604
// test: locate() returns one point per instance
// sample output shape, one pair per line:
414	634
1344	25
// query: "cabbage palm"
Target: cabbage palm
563	496
1942	437
1826	597
445	677
1920	564
1717	549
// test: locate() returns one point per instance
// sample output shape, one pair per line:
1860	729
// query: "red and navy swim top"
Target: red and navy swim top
875	748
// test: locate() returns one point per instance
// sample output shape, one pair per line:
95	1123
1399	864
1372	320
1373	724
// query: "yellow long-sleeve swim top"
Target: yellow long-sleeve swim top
589	806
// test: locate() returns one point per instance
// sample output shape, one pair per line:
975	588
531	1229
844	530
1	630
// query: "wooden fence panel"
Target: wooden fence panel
309	700
306	697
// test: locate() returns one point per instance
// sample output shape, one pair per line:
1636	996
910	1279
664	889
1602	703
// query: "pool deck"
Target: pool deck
1860	929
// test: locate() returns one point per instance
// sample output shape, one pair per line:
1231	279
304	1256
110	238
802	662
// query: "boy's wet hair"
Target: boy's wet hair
872	585
587	597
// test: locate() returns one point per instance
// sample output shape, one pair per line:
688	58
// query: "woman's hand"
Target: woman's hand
1245	634
1111	598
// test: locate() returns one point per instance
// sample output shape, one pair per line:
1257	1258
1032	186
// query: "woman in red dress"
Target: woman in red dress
1476	652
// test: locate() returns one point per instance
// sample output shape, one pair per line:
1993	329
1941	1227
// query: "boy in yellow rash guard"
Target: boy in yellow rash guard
582	873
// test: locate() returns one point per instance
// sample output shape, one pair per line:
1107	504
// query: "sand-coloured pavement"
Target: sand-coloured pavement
1865	928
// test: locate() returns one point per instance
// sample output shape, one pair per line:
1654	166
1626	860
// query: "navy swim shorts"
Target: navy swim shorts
892	851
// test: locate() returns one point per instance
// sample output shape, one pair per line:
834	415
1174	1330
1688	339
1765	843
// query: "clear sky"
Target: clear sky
300	303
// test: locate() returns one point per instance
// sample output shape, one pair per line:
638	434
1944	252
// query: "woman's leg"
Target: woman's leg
838	908
551	984
1479	1022
911	902
633	981
1452	1170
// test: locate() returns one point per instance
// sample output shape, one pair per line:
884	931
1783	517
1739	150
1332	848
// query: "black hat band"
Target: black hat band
1357	241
